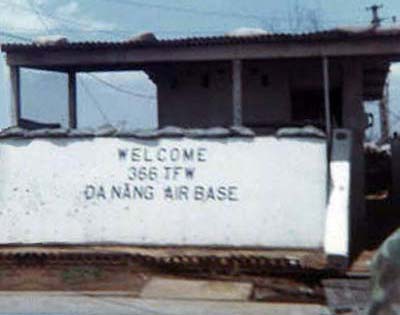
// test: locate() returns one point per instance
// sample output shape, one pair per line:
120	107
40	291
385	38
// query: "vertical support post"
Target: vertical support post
384	115
15	81
354	119
237	92
327	100
72	117
395	164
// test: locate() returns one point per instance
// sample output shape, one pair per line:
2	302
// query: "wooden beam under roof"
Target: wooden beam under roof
108	59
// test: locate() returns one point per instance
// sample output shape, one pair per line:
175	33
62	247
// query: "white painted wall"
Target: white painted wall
278	197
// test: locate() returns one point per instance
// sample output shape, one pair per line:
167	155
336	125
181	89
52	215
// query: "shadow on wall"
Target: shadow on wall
383	220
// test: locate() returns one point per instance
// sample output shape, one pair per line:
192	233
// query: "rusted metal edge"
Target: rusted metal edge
215	262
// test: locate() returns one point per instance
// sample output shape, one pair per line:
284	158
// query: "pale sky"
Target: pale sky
119	19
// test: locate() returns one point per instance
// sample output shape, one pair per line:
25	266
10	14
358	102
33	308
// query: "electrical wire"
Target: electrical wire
94	100
188	10
86	88
20	30
87	27
39	15
83	27
65	21
207	12
15	36
120	88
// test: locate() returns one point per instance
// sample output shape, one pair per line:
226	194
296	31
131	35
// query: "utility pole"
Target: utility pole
376	20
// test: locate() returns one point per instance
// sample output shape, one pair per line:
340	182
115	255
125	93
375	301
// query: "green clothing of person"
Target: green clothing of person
385	276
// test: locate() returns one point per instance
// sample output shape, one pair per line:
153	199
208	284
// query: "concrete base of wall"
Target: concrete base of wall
163	288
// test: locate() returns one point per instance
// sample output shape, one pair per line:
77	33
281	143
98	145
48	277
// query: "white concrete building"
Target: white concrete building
241	167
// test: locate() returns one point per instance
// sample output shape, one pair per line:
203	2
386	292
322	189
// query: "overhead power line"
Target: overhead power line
82	26
77	25
87	27
15	36
74	26
188	10
125	32
94	100
39	15
98	79
119	88
226	14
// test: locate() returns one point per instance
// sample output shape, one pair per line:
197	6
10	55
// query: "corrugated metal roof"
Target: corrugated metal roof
334	34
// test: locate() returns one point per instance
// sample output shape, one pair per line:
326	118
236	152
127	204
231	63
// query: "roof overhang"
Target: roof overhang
110	56
376	47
